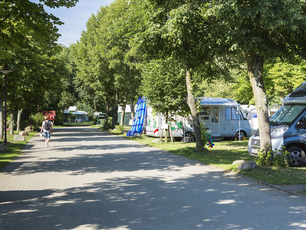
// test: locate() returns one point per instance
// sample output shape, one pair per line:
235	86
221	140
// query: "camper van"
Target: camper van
223	117
288	128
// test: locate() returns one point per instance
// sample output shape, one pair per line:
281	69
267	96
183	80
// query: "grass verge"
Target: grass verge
223	154
14	149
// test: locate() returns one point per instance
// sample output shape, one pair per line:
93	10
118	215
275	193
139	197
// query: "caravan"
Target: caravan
288	128
156	124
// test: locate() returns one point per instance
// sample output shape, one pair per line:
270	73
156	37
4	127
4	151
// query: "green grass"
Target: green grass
224	153
14	148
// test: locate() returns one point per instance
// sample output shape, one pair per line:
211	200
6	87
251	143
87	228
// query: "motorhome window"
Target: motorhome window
204	111
286	114
231	113
204	118
216	114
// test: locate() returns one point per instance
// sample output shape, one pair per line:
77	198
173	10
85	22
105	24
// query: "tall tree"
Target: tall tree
262	30
17	18
164	86
177	29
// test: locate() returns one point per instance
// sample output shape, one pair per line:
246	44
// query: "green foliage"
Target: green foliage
205	134
106	125
37	120
282	77
120	128
164	86
71	117
272	158
59	118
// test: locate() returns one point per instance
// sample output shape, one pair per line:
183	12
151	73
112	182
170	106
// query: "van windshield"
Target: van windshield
286	114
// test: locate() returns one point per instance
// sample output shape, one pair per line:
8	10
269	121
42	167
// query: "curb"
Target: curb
271	185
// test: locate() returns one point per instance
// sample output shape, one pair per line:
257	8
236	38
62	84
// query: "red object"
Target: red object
156	130
51	115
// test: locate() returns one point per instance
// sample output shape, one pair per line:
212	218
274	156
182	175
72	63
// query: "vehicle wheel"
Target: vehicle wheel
242	135
190	136
296	157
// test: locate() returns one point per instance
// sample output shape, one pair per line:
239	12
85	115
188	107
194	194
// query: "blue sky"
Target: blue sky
75	19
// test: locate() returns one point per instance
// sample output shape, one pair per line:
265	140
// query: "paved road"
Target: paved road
88	180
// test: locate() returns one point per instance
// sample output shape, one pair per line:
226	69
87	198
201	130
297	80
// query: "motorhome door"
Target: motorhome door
215	122
210	116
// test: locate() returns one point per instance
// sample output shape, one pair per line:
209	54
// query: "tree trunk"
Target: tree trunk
170	131
115	116
194	113
1	118
166	130
122	115
12	124
106	115
161	134
132	107
18	119
95	106
255	70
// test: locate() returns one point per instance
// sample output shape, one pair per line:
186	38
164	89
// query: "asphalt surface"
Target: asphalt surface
88	179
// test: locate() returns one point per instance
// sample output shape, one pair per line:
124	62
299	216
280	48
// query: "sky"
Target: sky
75	19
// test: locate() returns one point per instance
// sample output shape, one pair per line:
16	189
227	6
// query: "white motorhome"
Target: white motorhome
223	117
250	113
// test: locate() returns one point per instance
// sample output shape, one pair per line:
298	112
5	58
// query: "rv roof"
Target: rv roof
216	101
300	91
298	96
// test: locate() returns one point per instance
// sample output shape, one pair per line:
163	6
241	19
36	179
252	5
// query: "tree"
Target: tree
106	67
177	29
282	77
25	31
164	86
91	59
262	30
20	17
117	32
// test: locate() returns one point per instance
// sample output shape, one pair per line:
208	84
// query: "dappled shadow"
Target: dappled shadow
124	185
204	200
131	159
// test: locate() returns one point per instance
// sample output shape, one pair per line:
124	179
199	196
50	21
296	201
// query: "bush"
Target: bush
272	157
72	117
205	134
37	120
120	128
25	124
59	118
105	125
